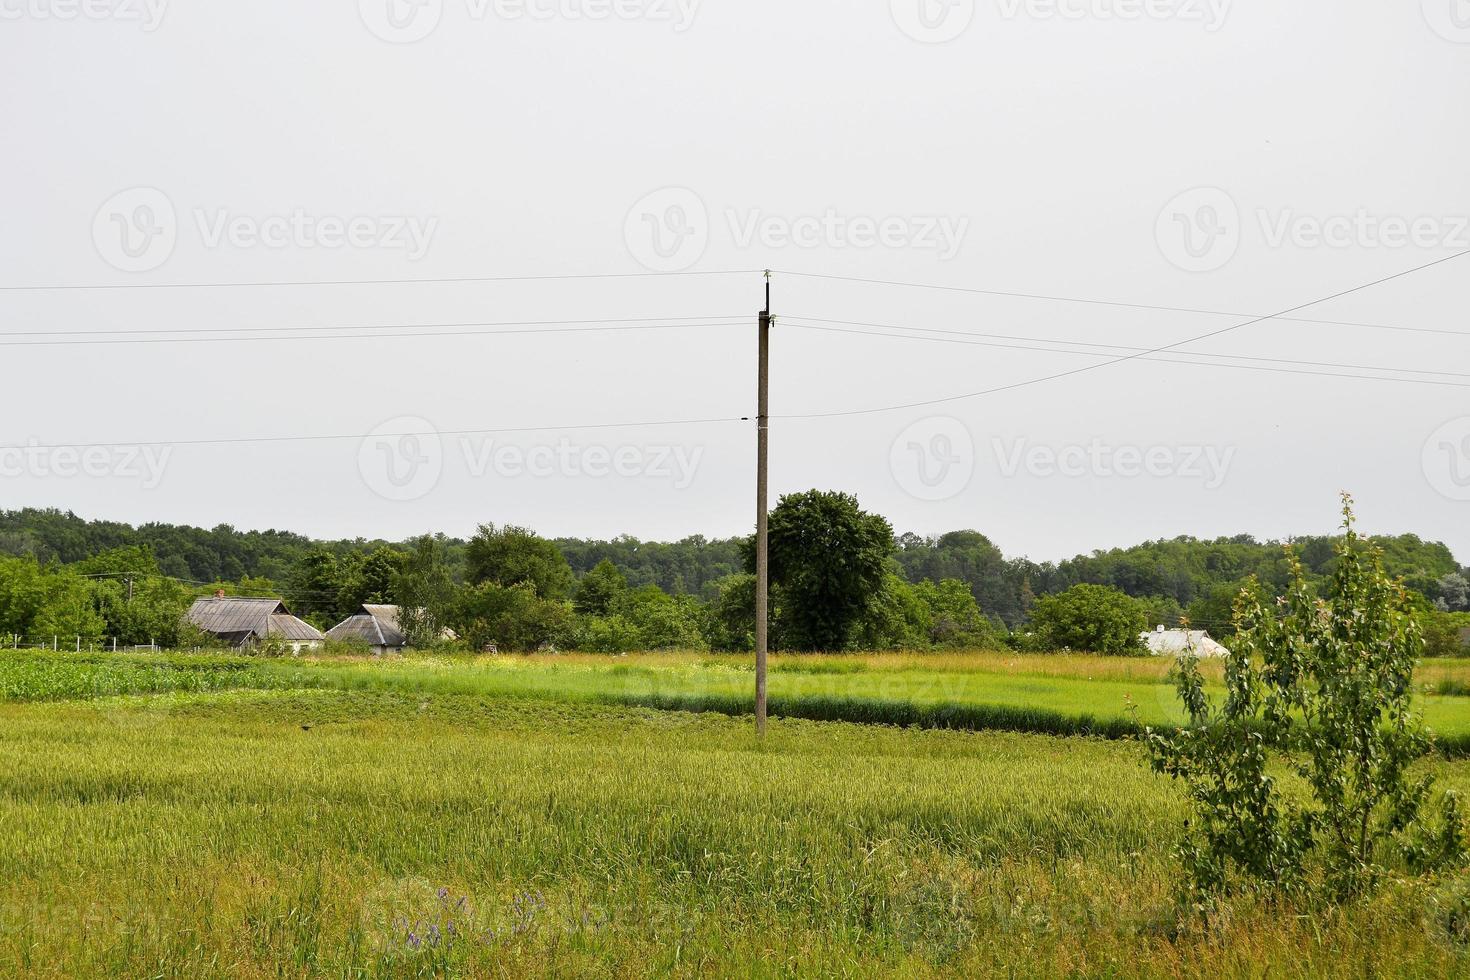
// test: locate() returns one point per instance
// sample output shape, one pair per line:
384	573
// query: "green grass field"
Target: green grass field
215	816
1049	694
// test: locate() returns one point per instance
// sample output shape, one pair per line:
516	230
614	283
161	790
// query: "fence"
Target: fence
76	644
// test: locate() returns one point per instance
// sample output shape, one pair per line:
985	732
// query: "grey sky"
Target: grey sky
1061	150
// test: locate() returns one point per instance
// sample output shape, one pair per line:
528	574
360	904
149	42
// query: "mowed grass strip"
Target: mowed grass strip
291	833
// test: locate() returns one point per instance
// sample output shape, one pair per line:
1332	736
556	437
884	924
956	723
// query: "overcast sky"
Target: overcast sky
1237	158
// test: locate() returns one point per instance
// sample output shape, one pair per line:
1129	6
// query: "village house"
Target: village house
1167	642
245	622
375	625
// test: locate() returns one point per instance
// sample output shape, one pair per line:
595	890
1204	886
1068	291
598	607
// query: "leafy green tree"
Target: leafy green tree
1444	633
512	555
511	617
829	558
731	622
600	589
1326	681
1161	610
316	587
609	634
1094	618
424	592
895	618
955	619
1454	593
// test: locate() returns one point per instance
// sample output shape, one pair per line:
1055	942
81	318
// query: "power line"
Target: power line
77	287
334	437
799	323
1129	357
303	333
1119	304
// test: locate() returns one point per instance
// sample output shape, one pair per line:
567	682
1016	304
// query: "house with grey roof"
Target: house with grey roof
1167	642
374	625
244	622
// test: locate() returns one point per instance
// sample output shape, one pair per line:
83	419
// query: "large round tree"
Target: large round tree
828	560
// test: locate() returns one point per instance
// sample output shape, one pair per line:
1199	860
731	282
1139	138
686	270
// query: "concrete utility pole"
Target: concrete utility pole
762	555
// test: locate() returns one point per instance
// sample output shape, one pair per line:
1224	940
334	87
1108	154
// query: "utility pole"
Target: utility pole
762	553
130	590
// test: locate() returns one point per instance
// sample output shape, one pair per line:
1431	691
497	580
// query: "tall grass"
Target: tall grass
328	833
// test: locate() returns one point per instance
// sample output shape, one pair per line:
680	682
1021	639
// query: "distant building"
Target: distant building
377	626
242	622
1465	637
1167	642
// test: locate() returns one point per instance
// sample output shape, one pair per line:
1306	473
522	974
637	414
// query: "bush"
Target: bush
1092	618
1326	682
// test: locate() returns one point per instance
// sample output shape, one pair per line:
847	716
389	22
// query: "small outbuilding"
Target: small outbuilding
1166	642
244	622
375	625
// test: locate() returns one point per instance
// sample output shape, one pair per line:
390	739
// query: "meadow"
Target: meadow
1059	694
224	816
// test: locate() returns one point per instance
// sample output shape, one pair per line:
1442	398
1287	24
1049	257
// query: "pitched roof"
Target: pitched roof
1178	641
376	625
241	618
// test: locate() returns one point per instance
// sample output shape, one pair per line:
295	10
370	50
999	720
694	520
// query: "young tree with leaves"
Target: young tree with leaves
1322	684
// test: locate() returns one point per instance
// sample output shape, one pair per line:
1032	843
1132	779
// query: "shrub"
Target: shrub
1094	618
1326	685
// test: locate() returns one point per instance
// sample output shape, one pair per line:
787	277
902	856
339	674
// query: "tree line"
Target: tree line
841	579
